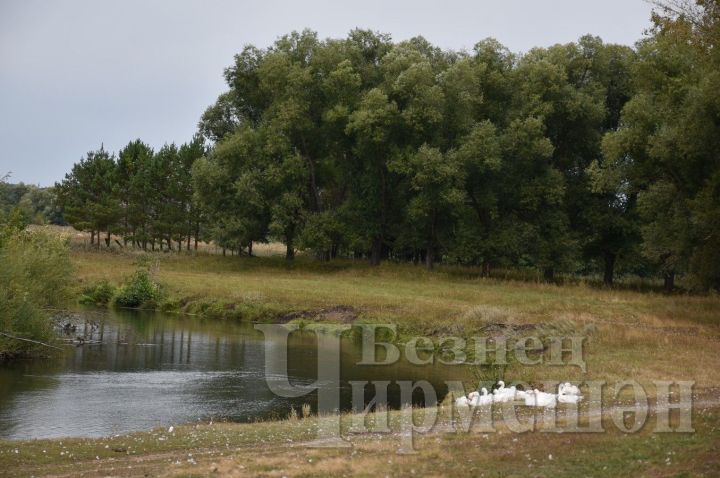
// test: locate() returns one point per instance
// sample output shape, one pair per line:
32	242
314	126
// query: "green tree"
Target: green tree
666	147
88	195
436	181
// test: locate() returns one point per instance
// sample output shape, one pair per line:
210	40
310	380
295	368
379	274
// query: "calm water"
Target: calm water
158	370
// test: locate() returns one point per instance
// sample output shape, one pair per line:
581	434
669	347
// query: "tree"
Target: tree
88	195
134	189
666	148
230	186
436	195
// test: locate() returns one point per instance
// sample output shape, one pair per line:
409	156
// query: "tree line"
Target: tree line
35	205
144	196
582	157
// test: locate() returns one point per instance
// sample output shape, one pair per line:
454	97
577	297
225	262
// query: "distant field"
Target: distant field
81	239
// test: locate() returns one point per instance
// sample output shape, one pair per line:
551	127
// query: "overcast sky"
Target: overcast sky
78	73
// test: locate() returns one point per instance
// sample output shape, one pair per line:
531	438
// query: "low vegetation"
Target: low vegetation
36	274
279	448
139	291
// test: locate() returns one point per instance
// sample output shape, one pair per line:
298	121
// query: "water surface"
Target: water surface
158	370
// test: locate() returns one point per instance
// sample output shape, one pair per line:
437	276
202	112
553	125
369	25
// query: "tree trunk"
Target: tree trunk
125	230
669	281
197	233
549	274
485	268
250	248
92	237
376	252
107	239
609	268
224	252
290	249
429	257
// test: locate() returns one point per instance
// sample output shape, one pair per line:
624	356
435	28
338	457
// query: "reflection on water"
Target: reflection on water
155	370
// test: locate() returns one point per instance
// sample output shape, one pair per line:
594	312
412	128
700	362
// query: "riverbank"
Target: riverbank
630	335
280	448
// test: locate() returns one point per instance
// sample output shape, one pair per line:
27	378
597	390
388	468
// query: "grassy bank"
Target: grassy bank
631	335
280	449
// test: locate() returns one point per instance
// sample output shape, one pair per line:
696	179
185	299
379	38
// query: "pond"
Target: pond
143	370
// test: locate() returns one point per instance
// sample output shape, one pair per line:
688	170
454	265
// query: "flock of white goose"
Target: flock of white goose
567	393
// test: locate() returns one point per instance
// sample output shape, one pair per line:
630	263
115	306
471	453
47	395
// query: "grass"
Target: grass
279	448
631	335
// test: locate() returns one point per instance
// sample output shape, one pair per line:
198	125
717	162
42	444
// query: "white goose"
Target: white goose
462	402
480	400
568	389
537	398
503	394
521	394
566	395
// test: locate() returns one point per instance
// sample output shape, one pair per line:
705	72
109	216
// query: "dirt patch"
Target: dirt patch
501	327
339	314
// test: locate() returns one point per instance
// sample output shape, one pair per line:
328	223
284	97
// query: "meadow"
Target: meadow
636	335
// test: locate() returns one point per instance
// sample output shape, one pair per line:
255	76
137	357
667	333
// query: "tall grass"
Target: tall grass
35	275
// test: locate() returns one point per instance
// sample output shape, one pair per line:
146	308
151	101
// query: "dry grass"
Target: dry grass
276	449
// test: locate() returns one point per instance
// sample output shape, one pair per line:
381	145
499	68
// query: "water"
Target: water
157	370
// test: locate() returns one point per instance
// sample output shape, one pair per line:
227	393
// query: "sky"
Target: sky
75	74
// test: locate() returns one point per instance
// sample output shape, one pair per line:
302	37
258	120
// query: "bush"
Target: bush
139	291
100	294
35	275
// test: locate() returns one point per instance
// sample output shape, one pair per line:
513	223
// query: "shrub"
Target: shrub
35	274
99	294
139	291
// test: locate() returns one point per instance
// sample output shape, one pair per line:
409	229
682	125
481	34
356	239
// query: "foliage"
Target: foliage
101	293
35	275
665	152
138	291
146	197
37	205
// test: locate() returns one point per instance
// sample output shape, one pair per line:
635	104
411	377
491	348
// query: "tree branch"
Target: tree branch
29	340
